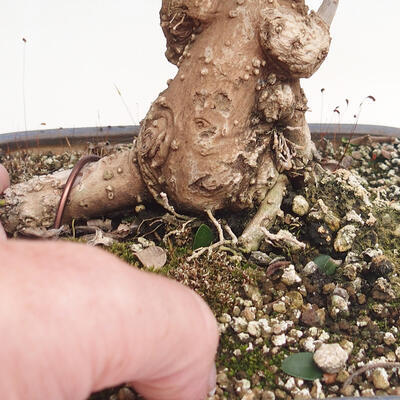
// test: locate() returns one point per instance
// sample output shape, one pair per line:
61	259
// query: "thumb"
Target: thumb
93	322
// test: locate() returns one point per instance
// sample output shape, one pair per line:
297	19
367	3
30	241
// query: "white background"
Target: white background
77	50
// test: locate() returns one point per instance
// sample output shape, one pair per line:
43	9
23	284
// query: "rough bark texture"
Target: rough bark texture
265	217
233	117
111	184
227	127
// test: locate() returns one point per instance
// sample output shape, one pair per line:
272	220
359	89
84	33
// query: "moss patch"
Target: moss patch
216	278
253	365
124	252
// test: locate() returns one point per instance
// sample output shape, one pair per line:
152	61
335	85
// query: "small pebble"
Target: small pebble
290	276
331	358
345	238
300	206
126	394
389	338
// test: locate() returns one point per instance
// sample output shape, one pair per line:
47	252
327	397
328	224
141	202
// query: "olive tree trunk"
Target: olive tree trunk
230	123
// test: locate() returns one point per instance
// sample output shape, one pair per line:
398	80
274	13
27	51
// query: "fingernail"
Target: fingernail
212	382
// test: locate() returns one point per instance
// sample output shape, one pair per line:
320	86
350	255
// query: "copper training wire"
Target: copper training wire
68	186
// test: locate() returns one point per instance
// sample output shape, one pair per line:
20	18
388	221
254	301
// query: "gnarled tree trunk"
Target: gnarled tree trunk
227	127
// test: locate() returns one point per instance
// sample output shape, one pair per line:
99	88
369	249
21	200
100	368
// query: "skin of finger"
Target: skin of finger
4	179
76	319
4	184
3	235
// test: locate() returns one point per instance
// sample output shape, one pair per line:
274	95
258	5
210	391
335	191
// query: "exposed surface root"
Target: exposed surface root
178	231
370	367
231	234
221	239
163	200
197	253
265	217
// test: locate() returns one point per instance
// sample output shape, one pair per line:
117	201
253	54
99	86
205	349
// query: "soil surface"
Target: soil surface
325	279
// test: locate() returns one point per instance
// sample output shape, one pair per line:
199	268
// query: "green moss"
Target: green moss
74	240
123	250
340	199
278	358
176	256
178	252
215	278
382	233
382	324
370	304
395	303
249	363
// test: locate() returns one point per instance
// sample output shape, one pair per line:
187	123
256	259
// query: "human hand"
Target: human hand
75	319
4	184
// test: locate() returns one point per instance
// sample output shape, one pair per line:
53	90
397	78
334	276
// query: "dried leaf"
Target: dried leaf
100	238
330	165
152	257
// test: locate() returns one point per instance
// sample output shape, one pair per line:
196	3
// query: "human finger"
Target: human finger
4	179
3	235
4	184
84	320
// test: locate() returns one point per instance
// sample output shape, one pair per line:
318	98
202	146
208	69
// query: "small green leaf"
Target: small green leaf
326	264
203	238
301	365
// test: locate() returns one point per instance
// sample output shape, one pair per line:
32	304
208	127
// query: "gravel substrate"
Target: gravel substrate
278	301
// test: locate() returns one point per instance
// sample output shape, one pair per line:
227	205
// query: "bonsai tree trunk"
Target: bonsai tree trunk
228	126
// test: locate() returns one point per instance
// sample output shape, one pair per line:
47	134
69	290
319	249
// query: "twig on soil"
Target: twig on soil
231	234
369	367
221	242
163	198
178	231
232	251
197	253
151	222
217	225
